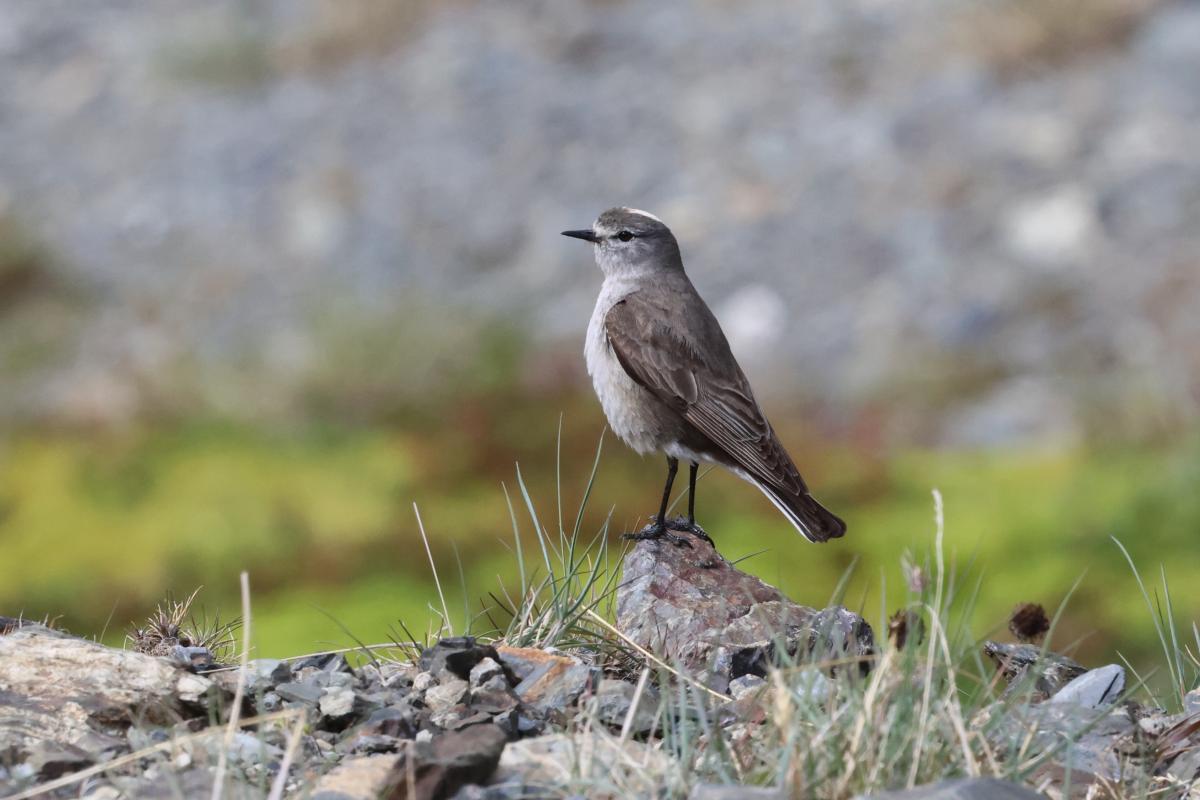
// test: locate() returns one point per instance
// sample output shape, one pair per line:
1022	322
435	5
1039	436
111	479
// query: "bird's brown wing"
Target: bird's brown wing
689	367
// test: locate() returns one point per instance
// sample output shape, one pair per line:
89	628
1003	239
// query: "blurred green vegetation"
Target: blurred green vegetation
95	529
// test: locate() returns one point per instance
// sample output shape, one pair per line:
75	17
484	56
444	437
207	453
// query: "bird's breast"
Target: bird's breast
634	414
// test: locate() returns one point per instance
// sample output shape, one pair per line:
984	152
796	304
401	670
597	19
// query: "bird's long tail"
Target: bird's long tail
814	522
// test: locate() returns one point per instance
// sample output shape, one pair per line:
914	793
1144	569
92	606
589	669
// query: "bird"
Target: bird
669	383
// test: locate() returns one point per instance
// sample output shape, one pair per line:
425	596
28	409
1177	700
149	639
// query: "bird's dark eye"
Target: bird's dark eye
624	236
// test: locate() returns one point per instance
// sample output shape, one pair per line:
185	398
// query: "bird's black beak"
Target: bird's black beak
586	235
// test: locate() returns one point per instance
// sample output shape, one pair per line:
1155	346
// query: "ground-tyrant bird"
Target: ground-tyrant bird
668	382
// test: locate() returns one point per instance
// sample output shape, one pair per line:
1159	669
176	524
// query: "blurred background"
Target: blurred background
271	271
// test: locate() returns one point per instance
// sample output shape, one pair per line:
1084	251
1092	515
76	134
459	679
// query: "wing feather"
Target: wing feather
702	381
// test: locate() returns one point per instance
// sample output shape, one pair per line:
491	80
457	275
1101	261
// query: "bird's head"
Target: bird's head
631	243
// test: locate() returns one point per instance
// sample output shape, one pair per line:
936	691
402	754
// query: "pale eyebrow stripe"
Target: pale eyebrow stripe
643	213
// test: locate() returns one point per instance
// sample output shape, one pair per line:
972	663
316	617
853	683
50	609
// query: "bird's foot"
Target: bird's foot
657	530
690	526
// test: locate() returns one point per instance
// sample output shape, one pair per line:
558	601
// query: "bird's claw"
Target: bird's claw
690	526
658	530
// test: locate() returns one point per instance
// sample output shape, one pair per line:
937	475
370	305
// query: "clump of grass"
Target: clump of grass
175	623
1182	662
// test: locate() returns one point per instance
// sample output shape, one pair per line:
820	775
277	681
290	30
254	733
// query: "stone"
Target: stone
485	671
548	682
445	696
961	789
690	605
196	659
1094	689
457	656
549	762
307	693
713	791
51	760
196	782
78	693
744	685
247	748
393	675
325	662
374	743
613	700
519	722
1191	702
337	703
263	674
1025	667
389	721
192	689
1090	747
364	778
439	768
423	682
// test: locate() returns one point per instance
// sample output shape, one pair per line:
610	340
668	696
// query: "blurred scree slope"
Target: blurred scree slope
270	271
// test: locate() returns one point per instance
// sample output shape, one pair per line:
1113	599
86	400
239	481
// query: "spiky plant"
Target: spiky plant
174	622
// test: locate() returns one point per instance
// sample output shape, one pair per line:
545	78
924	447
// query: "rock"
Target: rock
195	782
337	703
1191	702
714	791
196	659
389	721
613	700
441	767
518	723
79	693
961	789
247	748
1024	667
549	762
493	701
445	696
836	634
1090	748
548	682
363	778
457	656
485	671
271	701
51	760
374	743
264	673
325	662
743	685
192	689
1093	689
393	675
690	604
423	682
308	693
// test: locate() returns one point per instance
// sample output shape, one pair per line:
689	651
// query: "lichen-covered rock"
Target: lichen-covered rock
364	778
691	606
439	767
549	682
70	691
1029	668
531	767
1095	688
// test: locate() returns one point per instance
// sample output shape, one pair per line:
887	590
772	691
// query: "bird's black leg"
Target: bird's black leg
692	493
689	524
658	529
